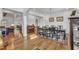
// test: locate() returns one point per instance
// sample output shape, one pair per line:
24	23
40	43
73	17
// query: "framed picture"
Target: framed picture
51	19
59	19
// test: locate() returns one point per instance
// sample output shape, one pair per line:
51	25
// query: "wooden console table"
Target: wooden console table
31	29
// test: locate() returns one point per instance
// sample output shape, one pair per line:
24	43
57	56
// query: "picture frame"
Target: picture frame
51	19
59	19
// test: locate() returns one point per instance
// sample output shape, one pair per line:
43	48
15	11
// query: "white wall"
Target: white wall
45	20
12	20
31	20
65	23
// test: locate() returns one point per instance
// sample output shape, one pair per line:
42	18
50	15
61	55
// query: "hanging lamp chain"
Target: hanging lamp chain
50	12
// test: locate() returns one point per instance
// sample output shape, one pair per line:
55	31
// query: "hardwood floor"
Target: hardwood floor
14	42
41	43
34	42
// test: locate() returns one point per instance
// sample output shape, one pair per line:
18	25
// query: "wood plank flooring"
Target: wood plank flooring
44	43
34	41
14	42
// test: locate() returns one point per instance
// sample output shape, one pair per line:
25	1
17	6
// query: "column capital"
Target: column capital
26	11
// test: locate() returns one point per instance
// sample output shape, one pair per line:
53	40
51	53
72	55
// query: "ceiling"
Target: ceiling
49	11
19	9
42	11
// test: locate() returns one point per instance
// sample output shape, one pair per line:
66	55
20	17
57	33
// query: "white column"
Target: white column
24	30
1	15
24	26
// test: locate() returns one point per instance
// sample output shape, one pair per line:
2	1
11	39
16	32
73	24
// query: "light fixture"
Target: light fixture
50	12
51	19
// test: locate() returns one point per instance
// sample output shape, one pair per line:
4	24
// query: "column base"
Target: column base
25	42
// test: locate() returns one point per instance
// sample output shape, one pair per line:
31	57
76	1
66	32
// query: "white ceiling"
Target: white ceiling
43	11
48	11
19	9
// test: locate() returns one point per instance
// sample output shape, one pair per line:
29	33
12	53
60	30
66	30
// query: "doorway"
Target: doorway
11	30
74	33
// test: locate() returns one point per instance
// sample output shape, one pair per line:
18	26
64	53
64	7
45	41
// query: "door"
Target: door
76	36
74	33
